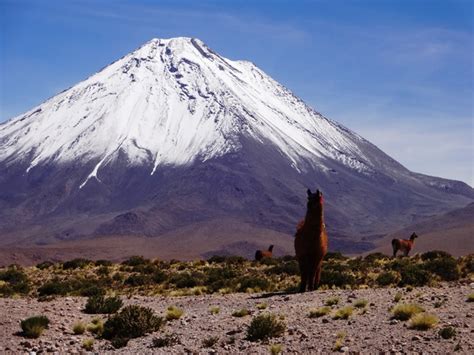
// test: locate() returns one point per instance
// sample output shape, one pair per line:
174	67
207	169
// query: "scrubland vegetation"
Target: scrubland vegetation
80	277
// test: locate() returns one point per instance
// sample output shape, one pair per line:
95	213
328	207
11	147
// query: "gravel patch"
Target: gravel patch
368	330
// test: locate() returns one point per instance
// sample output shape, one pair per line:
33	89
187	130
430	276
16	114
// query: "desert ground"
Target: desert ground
368	330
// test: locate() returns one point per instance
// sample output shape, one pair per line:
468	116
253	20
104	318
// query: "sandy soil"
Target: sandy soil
369	332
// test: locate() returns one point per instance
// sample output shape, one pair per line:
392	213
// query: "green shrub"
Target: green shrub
343	313
229	260
159	277
405	311
470	297
435	254
466	264
235	260
241	313
45	265
103	262
78	263
135	261
285	268
54	287
173	313
254	283
131	322
144	269
221	277
337	278
209	342
265	326
262	305
387	278
357	264
137	280
78	328
89	291
216	259
335	256
102	305
286	258
319	312
371	258
33	327
165	341
17	281
447	332
414	275
187	279
423	321
444	267
268	261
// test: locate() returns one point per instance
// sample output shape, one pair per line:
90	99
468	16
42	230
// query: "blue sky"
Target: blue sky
398	72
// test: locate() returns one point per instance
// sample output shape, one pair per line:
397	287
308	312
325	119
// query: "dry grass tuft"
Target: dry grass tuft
343	313
319	312
423	321
405	311
332	301
173	313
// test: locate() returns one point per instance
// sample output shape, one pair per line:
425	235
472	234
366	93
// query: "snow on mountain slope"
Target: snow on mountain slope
172	102
175	137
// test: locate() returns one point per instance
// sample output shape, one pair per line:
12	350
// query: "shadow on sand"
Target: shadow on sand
276	293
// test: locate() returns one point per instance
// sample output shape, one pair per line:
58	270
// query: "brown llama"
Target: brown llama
260	254
311	242
405	245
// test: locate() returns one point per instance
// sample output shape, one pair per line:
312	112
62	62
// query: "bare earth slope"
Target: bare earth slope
371	332
201	240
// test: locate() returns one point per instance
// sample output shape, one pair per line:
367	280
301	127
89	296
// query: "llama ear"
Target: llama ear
309	192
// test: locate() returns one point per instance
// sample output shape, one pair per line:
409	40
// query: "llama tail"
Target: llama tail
394	241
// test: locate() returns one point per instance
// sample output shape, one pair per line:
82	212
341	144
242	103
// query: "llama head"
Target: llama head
413	236
315	200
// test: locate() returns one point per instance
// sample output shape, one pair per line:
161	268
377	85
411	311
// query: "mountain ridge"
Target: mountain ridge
159	141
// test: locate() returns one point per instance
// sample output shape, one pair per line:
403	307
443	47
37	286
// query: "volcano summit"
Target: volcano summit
177	143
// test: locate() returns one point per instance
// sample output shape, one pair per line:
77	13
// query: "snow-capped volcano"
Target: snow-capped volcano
172	102
173	135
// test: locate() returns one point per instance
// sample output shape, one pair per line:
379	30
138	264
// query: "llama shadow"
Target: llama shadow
273	294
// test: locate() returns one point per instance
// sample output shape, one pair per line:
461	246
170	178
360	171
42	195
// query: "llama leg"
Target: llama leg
394	252
304	274
317	277
312	274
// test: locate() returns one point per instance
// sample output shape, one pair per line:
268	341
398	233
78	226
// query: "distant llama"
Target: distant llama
260	254
405	245
311	242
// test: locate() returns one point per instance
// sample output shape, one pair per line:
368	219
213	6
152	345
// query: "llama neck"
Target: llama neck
315	218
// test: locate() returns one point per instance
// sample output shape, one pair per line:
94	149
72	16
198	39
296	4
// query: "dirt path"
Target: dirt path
368	332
